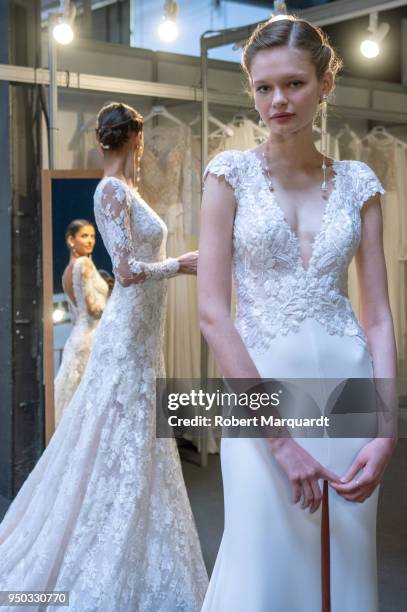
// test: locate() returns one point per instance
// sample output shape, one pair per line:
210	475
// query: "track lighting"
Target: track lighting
168	29
63	29
370	47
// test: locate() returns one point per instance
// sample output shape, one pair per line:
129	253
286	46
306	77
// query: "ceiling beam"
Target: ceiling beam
77	81
333	12
342	10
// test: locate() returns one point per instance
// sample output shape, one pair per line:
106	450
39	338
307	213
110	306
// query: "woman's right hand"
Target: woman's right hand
188	262
302	470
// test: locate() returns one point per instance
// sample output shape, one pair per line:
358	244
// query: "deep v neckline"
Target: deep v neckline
293	235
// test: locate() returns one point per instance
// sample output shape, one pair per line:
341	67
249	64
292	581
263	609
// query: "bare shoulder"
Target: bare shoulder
218	197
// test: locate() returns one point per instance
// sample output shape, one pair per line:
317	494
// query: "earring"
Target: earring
324	138
73	250
136	168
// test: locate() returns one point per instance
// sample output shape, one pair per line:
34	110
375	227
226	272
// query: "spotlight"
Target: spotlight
370	47
168	29
63	33
58	315
63	30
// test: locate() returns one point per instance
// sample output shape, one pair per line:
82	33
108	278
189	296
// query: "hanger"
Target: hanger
225	130
161	111
346	130
78	134
259	131
90	123
381	135
239	118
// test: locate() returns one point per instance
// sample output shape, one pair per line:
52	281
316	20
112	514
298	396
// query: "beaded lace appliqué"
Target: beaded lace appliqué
273	289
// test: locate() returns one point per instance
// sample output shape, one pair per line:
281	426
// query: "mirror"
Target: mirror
67	195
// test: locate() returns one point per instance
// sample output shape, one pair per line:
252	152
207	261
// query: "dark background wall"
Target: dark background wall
21	405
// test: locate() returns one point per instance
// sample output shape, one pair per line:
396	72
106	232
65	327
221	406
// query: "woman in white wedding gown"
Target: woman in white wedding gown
290	247
105	513
87	293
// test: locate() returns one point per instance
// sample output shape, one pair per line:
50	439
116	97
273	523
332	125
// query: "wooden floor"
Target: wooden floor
205	492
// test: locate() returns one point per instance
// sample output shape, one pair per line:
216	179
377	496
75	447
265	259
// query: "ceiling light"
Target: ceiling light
63	33
168	29
63	30
58	315
370	47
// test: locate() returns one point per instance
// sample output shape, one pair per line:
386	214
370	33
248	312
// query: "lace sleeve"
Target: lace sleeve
116	214
367	184
224	164
93	305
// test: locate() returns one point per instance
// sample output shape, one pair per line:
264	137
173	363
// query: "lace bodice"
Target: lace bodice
132	233
274	292
90	290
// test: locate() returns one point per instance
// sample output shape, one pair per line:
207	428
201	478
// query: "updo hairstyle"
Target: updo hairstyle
291	31
115	123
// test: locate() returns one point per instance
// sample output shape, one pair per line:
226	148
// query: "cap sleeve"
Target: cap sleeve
367	184
225	164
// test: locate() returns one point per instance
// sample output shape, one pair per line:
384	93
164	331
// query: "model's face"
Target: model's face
84	240
284	81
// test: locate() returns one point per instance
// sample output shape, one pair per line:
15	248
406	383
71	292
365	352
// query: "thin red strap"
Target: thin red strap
325	552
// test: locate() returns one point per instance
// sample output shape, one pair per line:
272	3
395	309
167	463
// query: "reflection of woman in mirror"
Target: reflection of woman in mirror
105	513
87	294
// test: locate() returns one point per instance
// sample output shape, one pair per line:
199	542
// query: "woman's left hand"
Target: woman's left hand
371	462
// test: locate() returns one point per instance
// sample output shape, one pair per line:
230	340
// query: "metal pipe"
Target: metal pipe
204	161
53	94
204	158
404	52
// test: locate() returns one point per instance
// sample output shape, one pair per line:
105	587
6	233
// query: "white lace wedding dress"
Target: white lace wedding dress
296	322
105	512
90	292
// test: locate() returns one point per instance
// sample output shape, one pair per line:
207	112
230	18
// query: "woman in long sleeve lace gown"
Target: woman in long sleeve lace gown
87	293
290	247
105	513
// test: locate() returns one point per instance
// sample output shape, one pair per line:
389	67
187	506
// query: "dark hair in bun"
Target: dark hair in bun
76	225
115	123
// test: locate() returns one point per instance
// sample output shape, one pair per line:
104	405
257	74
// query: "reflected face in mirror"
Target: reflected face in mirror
83	241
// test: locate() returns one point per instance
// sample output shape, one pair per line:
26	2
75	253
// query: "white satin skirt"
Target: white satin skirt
270	555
